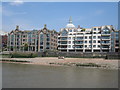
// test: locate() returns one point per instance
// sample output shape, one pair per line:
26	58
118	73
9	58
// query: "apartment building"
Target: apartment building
117	41
95	39
35	40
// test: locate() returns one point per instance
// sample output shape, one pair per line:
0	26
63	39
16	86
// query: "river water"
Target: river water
36	76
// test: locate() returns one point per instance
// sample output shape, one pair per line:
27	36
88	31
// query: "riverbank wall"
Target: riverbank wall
110	55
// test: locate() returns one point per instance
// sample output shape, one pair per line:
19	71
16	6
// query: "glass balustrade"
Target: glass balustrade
105	37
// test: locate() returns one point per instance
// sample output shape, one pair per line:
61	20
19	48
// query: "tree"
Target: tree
83	29
26	46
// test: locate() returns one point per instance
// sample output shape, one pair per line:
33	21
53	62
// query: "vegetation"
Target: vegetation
83	29
23	55
25	47
88	65
15	60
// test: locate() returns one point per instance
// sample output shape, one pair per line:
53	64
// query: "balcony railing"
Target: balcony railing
105	37
105	33
106	43
62	48
78	43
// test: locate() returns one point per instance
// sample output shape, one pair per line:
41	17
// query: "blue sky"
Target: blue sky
33	15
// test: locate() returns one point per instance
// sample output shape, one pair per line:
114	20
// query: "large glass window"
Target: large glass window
105	31
64	33
80	46
105	37
12	37
64	42
78	42
63	38
105	41
79	38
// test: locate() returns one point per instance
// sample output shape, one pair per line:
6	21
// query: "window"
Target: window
41	43
85	45
48	35
23	39
99	37
64	33
105	37
69	38
90	37
85	41
106	31
11	43
70	30
90	41
63	38
98	46
94	45
99	28
47	47
48	39
85	37
94	28
24	35
69	42
79	38
69	46
94	37
94	41
98	41
90	46
48	43
41	47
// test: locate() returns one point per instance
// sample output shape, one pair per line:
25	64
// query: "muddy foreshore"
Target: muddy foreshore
54	61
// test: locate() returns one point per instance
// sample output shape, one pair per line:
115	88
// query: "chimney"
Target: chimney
17	27
78	26
45	25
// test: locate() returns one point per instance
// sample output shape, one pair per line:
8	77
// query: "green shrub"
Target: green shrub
23	55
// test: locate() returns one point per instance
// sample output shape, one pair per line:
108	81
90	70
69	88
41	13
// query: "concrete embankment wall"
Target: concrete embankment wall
84	55
68	54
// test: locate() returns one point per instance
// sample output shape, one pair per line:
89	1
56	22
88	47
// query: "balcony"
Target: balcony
62	36
78	43
105	47
105	43
105	34
79	38
105	38
78	47
62	48
63	39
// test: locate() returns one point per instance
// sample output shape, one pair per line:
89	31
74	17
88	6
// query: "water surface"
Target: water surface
36	76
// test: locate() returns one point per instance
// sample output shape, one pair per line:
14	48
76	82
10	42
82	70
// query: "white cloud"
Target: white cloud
16	2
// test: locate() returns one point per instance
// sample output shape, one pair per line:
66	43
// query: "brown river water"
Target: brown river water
37	76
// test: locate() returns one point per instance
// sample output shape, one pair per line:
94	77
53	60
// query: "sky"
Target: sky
33	15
